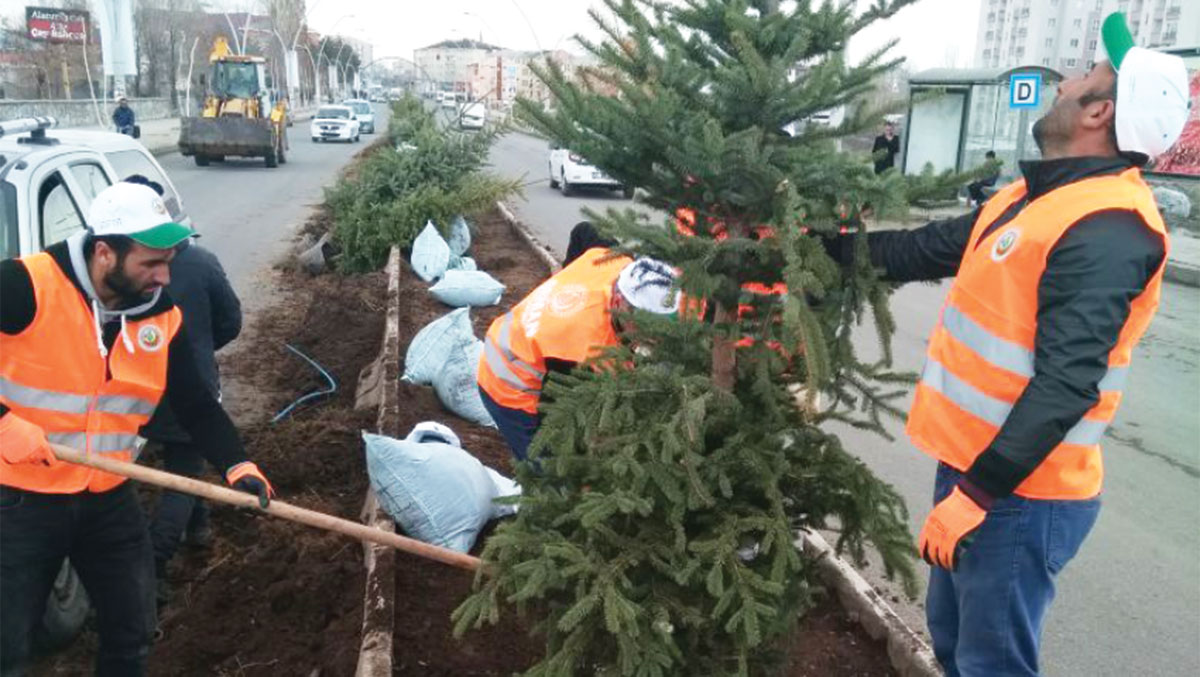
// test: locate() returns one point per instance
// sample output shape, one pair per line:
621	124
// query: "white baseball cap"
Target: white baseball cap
137	212
1152	92
646	284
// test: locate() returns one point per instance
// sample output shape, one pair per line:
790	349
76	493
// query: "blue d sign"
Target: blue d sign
1025	90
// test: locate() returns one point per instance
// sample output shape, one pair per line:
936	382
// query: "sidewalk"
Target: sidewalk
162	136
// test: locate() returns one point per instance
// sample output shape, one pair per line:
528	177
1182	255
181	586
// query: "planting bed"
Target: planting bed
274	598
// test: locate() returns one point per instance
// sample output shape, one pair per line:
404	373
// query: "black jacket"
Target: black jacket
212	315
1092	275
199	413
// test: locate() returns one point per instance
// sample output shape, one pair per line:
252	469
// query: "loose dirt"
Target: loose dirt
273	598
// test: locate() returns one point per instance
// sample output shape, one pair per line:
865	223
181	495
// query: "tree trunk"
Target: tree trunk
724	351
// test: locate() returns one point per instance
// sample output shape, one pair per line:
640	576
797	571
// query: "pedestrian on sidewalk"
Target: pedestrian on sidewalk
567	319
975	188
89	345
885	148
1057	277
123	117
212	314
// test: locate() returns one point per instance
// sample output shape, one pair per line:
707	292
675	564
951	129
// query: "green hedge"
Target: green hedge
435	175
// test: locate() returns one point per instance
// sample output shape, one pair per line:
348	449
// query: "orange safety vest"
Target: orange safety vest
981	353
567	318
53	375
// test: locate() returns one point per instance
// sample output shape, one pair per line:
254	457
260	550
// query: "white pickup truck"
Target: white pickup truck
48	178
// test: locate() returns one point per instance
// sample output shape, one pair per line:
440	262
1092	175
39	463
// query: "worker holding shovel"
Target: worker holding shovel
89	346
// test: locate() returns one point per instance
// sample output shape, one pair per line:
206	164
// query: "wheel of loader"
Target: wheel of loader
201	160
270	160
282	156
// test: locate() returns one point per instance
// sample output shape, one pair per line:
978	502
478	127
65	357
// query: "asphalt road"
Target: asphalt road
1129	604
247	214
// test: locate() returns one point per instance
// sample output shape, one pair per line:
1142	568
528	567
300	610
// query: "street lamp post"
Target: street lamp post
321	46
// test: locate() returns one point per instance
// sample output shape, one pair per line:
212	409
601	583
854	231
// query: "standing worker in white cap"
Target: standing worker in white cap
89	345
567	319
1057	277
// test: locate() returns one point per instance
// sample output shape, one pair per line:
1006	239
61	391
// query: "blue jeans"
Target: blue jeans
518	427
986	617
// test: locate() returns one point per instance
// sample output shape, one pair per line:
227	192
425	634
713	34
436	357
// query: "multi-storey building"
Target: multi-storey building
1064	34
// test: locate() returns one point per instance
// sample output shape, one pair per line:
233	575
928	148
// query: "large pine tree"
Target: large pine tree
656	532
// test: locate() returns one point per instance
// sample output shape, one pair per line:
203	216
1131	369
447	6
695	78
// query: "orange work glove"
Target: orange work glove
246	476
952	520
23	442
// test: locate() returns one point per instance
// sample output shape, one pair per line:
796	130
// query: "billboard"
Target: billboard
48	24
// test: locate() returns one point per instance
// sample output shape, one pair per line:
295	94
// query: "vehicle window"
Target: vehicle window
362	108
90	177
130	162
10	237
333	113
56	208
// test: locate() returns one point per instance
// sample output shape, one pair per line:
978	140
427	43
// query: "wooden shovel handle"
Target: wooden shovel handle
280	509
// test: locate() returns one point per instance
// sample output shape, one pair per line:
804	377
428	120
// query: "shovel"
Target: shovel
280	509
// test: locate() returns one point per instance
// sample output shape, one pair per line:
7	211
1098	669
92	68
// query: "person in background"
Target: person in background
212	314
975	188
889	144
123	116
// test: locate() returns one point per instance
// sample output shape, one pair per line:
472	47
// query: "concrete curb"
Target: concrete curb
1182	273
908	652
541	250
379	601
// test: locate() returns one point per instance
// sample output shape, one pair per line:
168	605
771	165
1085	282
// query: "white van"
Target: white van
473	116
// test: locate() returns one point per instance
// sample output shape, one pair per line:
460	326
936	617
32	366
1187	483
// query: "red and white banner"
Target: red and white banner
48	24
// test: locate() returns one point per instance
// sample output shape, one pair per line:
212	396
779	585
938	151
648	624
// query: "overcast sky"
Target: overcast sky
931	33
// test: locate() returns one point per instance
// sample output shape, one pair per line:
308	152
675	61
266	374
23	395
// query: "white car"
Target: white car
472	116
48	178
364	112
334	123
569	171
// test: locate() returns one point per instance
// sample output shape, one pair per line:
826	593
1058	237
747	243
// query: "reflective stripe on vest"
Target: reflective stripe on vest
993	410
70	403
102	443
498	359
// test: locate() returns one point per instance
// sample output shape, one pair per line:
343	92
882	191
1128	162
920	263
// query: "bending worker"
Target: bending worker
1057	277
89	345
567	319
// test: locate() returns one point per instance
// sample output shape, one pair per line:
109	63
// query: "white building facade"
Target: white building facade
1064	34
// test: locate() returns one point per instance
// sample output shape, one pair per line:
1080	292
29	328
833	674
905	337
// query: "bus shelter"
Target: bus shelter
956	115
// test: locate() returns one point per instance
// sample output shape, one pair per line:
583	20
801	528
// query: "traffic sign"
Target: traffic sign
1025	90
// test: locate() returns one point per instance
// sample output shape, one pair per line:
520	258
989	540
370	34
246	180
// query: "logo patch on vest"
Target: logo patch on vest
1005	244
569	300
150	338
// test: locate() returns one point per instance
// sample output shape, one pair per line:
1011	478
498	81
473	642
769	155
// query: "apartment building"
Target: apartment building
1064	34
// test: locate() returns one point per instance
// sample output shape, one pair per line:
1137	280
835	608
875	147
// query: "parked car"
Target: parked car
472	116
569	171
48	179
364	112
334	123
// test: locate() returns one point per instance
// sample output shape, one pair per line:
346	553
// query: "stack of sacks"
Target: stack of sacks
459	282
445	354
